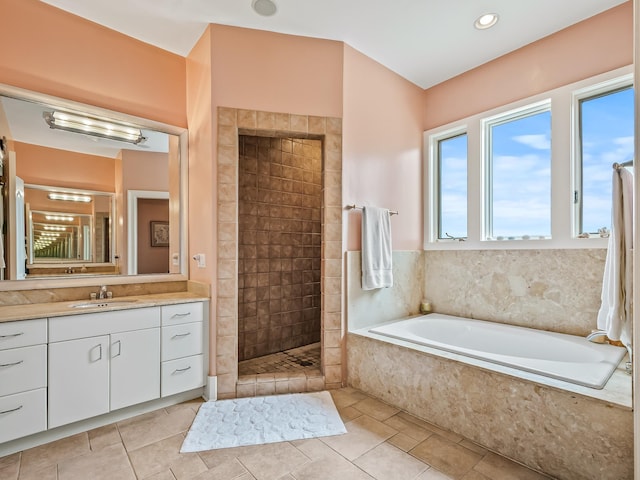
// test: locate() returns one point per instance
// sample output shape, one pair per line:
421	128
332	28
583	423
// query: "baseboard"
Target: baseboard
211	389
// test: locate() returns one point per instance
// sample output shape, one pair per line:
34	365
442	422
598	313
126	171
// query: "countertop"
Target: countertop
30	311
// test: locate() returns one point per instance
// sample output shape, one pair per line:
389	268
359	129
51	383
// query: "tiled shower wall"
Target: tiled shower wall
279	248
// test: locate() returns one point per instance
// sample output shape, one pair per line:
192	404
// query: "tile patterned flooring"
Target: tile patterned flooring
382	443
294	360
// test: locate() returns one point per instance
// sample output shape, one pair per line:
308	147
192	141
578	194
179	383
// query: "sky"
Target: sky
521	174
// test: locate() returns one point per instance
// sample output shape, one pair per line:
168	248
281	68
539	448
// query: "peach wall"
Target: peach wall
47	50
145	170
202	182
258	70
61	168
599	44
382	148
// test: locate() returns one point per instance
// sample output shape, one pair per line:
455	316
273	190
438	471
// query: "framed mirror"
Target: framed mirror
70	207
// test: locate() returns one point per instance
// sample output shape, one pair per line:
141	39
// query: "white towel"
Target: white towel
376	248
614	316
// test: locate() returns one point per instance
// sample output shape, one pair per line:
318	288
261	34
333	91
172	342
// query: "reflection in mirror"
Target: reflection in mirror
67	225
66	173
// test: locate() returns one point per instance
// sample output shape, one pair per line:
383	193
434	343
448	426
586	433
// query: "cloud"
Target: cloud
537	142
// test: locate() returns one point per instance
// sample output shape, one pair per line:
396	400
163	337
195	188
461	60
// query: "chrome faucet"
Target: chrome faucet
102	293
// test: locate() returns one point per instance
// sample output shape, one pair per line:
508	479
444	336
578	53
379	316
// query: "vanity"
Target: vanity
66	366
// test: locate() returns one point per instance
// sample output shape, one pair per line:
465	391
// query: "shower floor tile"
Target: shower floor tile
294	360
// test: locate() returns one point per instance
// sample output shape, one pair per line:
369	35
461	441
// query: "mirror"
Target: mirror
68	176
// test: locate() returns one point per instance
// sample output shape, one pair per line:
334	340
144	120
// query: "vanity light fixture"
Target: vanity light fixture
59	218
67	197
485	21
266	8
55	228
93	126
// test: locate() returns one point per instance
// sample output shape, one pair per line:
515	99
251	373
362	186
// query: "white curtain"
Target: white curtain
615	315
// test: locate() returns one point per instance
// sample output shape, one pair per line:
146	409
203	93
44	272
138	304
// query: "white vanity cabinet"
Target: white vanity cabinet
182	347
23	378
99	362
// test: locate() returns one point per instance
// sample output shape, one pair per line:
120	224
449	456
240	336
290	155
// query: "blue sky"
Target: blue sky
522	168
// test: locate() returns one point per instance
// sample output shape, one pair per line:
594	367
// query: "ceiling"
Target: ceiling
425	41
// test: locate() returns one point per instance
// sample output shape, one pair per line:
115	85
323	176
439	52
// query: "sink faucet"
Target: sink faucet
102	293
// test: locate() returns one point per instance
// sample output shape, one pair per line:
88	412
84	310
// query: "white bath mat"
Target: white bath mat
257	420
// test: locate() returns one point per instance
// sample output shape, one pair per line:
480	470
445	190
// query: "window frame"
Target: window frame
603	88
563	172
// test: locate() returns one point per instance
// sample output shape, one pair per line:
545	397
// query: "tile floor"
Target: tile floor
382	443
294	360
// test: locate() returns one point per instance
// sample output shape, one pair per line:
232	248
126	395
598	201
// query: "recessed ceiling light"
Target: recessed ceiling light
485	21
266	8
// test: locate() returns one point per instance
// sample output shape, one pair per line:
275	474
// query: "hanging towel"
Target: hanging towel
376	248
615	316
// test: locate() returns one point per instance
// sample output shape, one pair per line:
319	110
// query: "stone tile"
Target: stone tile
386	462
346	397
453	437
333	467
433	474
448	457
364	433
349	413
215	458
44	456
105	464
473	447
376	409
154	426
313	448
166	475
163	455
225	471
47	473
500	468
473	475
104	437
9	466
403	442
410	429
273	460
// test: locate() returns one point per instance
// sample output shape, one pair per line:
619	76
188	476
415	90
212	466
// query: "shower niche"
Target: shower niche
280	195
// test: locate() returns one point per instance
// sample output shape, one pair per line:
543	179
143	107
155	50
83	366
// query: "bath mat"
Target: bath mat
257	420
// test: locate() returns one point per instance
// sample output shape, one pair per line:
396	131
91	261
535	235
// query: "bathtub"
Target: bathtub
564	357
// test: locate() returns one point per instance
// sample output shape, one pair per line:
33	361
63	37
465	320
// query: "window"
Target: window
518	174
606	135
452	186
534	174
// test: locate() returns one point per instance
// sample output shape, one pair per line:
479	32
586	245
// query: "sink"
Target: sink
102	303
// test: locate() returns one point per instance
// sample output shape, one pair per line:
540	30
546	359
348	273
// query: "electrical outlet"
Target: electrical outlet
175	258
200	260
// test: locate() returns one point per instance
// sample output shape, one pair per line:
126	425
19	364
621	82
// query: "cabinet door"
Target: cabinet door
78	379
135	367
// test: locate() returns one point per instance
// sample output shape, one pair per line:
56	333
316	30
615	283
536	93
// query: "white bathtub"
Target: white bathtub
556	355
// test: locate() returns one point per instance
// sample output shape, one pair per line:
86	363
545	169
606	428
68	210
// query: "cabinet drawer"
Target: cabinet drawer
182	375
23	369
23	414
181	313
103	323
181	340
23	333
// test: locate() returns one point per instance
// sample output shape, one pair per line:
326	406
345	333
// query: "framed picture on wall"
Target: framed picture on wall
159	234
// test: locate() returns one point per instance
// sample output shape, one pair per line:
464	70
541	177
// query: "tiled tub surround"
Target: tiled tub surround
556	290
231	123
565	430
373	307
279	205
559	432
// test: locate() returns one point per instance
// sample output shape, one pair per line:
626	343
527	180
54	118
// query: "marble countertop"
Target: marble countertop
30	311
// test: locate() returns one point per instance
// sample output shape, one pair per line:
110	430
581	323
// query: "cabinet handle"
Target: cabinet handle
11	364
119	348
180	315
99	347
12	335
180	335
180	370
12	410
